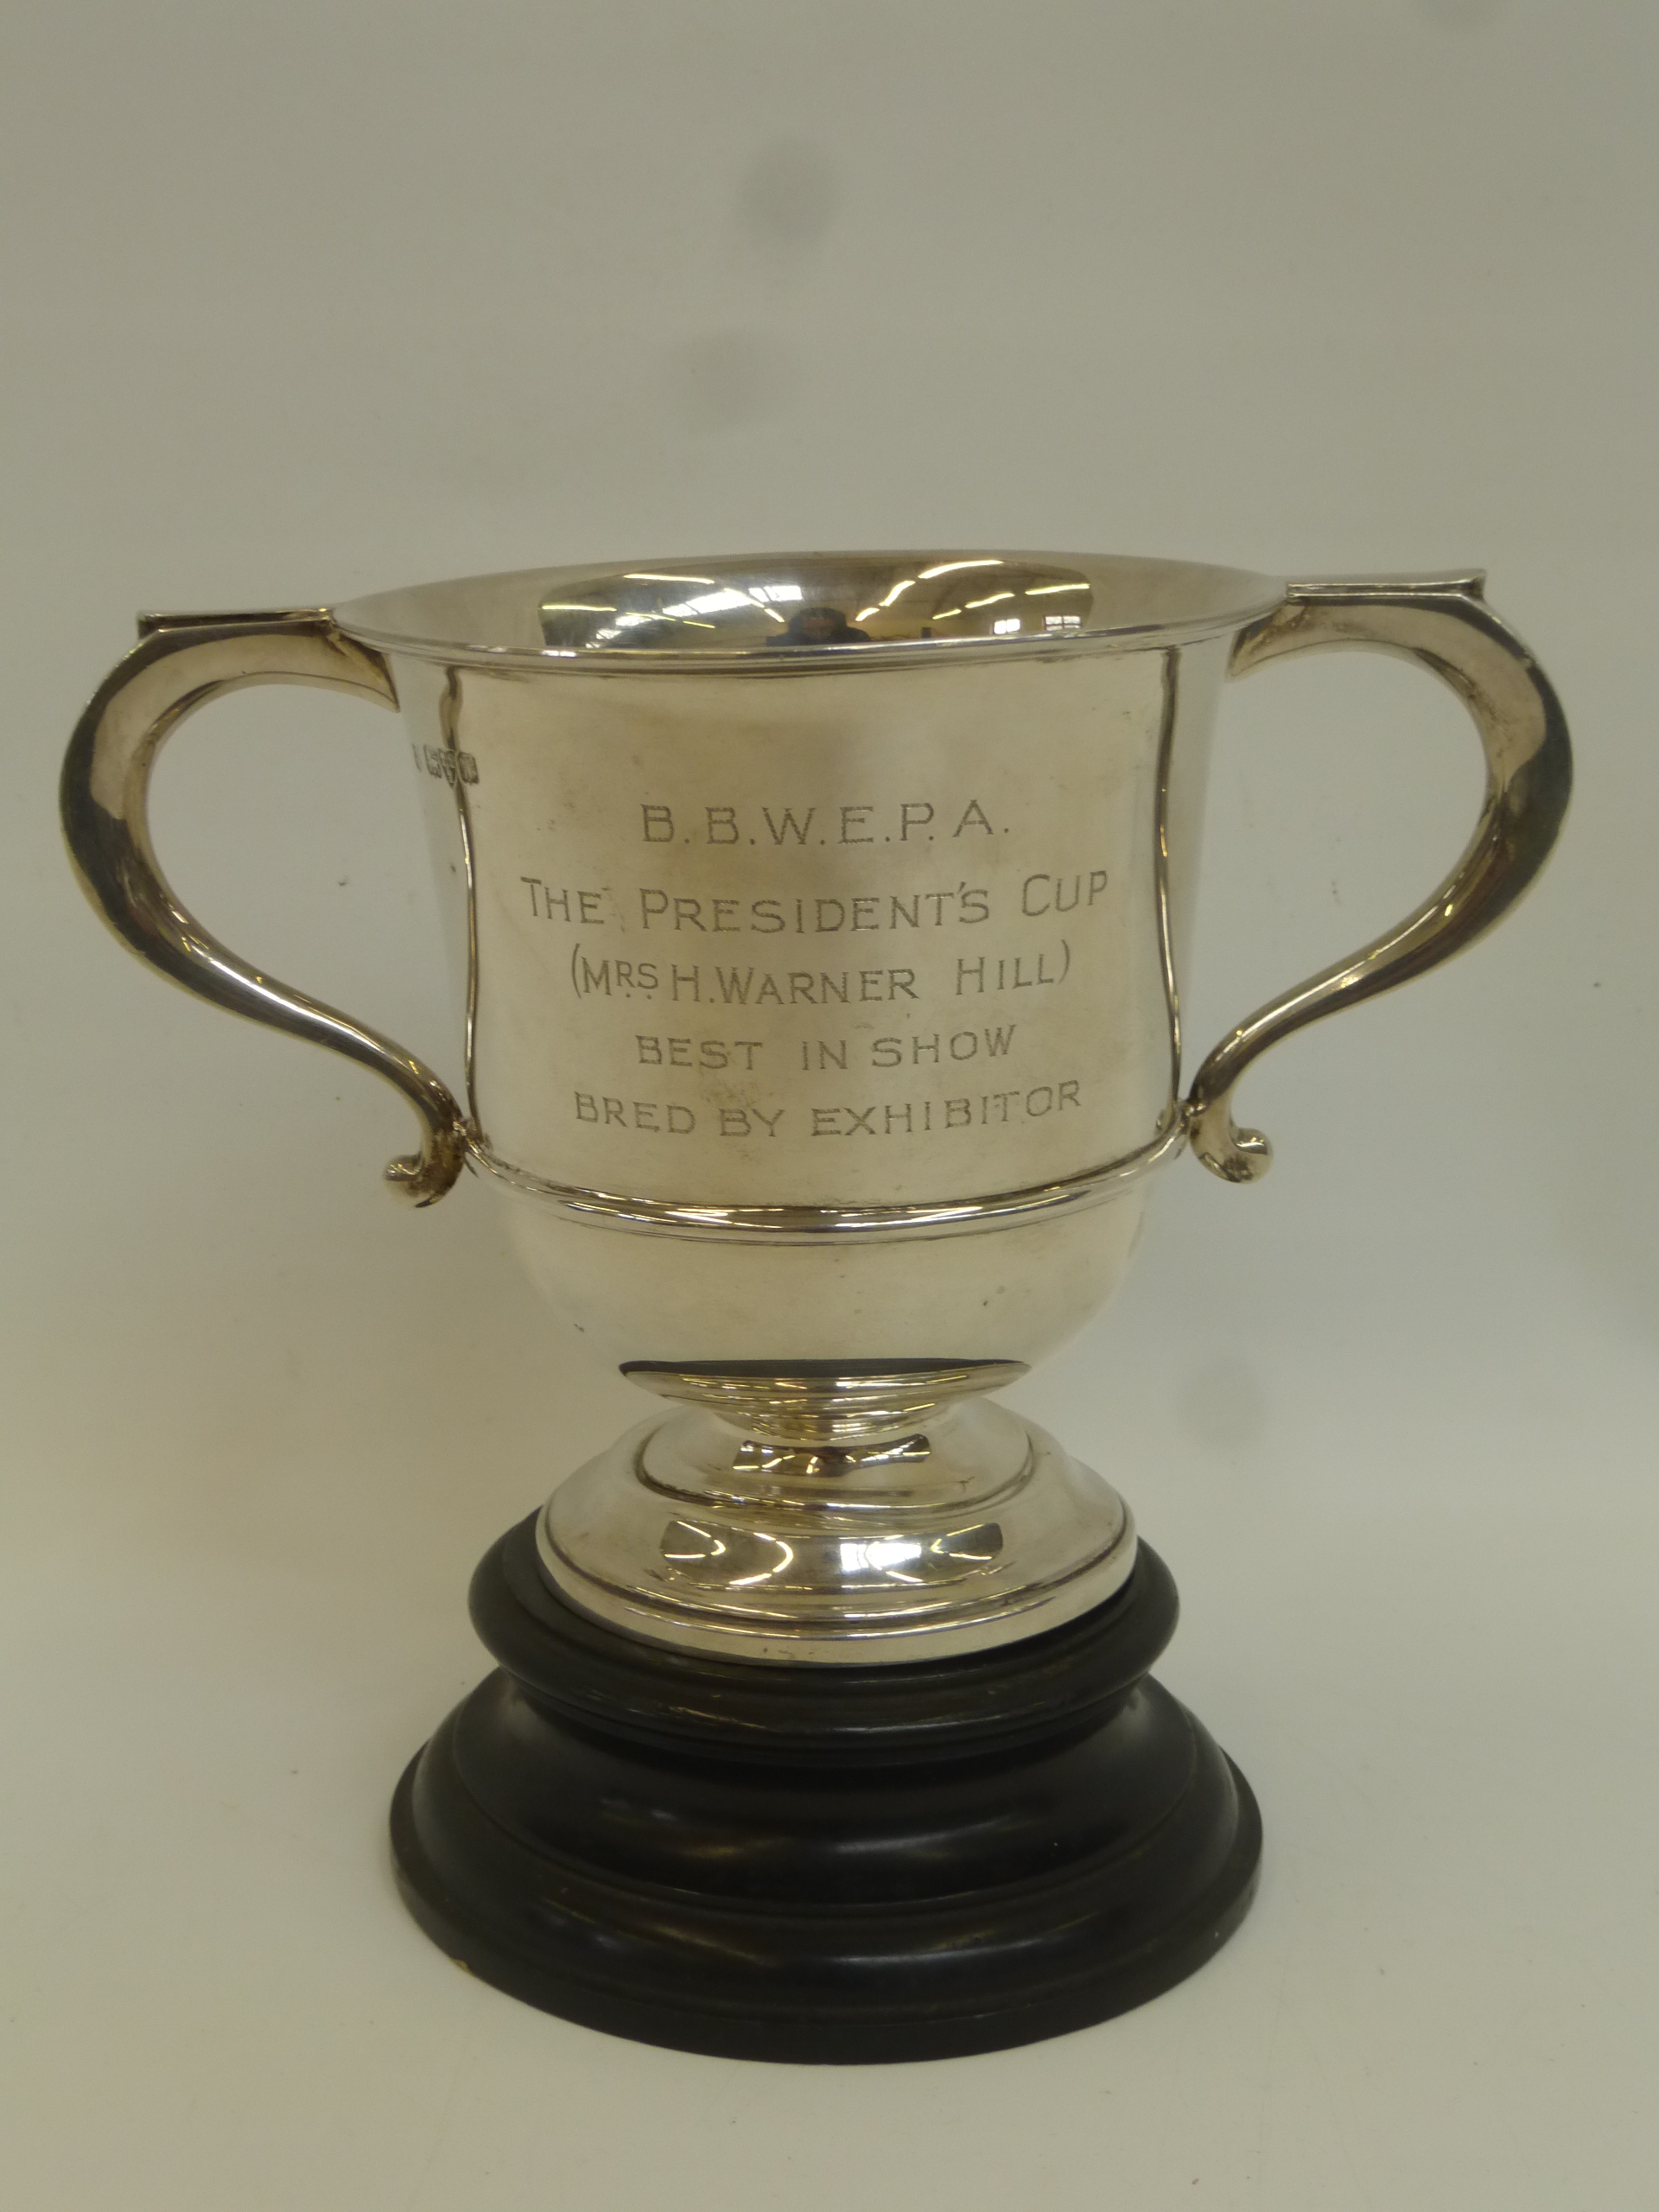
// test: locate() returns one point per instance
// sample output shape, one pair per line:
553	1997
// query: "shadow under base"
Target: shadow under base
823	1864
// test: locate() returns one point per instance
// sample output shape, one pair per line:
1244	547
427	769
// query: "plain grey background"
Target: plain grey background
309	302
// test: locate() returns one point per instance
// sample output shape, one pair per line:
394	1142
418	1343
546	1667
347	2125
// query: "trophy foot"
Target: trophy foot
822	1864
835	1516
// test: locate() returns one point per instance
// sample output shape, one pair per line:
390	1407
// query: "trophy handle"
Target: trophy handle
181	661
1444	624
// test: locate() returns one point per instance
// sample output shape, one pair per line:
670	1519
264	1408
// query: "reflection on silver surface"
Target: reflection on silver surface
736	609
1443	623
823	918
181	662
978	1528
706	1559
788	1417
804	1224
857	600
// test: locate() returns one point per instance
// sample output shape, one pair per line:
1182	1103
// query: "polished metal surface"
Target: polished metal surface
787	1224
779	613
971	1531
181	662
1445	625
818	922
813	1410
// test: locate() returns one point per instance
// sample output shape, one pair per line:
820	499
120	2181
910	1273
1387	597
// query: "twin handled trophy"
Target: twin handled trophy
818	922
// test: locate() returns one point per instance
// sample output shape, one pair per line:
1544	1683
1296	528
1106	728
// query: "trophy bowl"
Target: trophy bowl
817	922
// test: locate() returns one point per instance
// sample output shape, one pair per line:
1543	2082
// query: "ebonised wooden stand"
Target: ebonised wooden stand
816	1863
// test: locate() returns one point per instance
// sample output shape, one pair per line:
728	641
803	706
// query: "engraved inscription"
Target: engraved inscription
881	1118
740	1083
748	975
699	984
824	939
821	916
709	1053
854	823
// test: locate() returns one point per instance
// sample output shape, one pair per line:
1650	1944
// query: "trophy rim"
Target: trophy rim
1160	602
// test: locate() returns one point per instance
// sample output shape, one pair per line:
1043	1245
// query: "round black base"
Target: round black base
812	1863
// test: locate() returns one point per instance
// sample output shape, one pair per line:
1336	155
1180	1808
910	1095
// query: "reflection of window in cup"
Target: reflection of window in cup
820	625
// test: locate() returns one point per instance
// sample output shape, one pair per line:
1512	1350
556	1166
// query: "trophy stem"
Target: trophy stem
823	1865
819	1404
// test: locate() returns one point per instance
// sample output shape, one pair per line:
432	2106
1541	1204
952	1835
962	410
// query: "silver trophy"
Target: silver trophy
818	924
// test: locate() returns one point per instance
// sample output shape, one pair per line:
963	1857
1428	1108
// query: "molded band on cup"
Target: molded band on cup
804	1224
